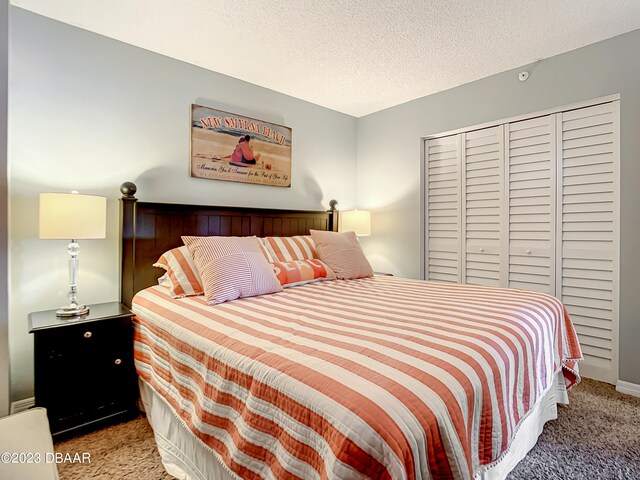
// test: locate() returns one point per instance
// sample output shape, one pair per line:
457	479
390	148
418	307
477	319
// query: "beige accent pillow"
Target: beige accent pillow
342	253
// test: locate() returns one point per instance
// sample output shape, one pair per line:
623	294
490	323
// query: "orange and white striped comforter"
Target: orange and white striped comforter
381	377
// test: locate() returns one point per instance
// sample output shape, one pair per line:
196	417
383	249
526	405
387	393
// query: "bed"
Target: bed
380	377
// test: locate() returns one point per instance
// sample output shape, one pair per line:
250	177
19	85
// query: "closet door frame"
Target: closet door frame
616	244
588	370
425	234
556	252
509	204
516	118
462	243
468	176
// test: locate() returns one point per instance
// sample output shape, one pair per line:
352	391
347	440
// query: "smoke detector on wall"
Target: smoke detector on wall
522	76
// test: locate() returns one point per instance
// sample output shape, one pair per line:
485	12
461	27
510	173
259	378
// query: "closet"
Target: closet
533	204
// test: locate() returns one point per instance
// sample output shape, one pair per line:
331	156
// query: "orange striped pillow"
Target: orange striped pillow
287	249
182	276
343	253
232	267
265	249
299	272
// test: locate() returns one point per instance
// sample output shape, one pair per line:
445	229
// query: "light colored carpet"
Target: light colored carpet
126	450
596	437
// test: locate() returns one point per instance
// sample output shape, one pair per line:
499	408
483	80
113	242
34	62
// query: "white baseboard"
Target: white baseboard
22	405
628	388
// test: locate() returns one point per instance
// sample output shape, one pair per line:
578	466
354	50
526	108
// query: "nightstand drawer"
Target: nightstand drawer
95	338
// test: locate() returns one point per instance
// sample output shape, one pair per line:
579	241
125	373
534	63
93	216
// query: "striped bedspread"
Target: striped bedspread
384	377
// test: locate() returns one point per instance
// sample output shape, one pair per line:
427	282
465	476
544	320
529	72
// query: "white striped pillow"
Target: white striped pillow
342	253
232	267
287	249
182	276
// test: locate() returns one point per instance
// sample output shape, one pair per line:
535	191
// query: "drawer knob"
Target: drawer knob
118	361
482	250
528	252
87	334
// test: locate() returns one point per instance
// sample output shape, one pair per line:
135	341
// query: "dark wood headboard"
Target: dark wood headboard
150	229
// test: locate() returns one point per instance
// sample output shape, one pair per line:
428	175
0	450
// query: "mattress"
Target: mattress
381	377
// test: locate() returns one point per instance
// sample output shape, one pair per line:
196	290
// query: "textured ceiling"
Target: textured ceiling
354	56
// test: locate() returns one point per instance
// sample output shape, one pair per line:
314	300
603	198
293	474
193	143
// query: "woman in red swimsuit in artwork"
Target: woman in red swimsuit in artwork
243	152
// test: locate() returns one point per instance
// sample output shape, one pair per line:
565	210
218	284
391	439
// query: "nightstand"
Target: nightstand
84	371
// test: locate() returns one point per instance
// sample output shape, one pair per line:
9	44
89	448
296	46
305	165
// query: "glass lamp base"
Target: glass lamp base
72	311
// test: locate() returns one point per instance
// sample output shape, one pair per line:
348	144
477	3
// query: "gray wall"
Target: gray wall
389	157
88	112
4	344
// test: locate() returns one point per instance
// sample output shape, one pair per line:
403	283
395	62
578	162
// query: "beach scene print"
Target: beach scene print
234	148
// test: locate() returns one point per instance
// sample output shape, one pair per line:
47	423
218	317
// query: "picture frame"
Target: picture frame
236	148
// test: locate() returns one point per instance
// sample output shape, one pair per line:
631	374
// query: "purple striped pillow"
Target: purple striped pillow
232	267
342	253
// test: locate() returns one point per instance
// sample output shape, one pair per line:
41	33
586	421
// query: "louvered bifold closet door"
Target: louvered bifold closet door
482	198
531	150
443	209
588	229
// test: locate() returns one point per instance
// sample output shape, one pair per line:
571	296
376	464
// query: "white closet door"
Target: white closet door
481	204
531	204
588	226
443	209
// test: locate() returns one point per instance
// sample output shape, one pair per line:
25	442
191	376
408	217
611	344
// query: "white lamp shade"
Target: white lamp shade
71	216
358	221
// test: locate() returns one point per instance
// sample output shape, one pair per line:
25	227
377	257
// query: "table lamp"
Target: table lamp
358	221
71	216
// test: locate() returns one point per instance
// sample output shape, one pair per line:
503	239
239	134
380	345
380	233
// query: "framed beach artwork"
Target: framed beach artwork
226	146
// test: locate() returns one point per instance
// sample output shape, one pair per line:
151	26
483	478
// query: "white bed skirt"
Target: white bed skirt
186	457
